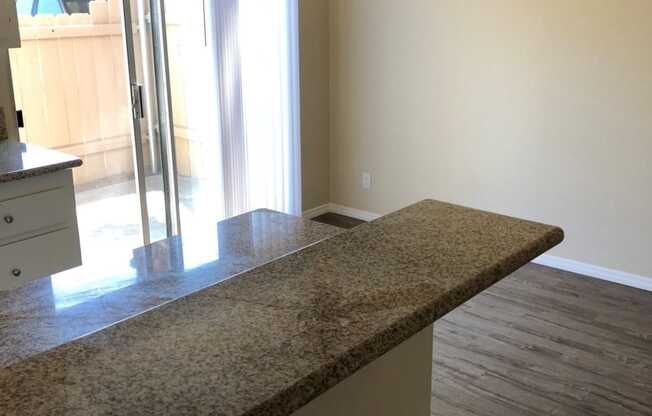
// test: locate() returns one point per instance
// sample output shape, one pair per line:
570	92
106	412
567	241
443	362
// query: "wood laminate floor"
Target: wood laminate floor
338	220
544	342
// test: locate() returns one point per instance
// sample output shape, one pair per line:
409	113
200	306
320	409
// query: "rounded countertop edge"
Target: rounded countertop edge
39	171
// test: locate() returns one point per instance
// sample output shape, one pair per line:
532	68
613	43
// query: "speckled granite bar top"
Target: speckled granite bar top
55	310
20	161
270	340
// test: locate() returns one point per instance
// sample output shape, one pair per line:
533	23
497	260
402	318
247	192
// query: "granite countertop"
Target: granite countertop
271	339
55	310
20	161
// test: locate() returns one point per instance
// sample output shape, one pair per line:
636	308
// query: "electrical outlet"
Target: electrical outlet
366	180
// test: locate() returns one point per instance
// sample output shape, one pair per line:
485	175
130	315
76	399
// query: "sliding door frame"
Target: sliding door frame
163	107
136	116
165	117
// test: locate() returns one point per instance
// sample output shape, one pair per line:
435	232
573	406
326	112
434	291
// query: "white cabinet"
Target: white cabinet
38	228
36	212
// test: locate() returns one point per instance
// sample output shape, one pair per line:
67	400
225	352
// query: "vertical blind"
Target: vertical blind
255	54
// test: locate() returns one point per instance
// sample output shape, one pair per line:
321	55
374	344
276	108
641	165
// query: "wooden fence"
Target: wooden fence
70	81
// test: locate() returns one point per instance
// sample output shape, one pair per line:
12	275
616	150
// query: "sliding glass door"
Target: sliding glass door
220	82
91	80
233	71
184	112
152	133
85	81
195	118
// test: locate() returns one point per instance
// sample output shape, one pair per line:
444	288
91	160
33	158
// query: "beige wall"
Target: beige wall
6	98
314	51
8	38
538	109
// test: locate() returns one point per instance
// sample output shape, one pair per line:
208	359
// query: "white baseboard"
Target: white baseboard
316	211
615	276
354	213
342	210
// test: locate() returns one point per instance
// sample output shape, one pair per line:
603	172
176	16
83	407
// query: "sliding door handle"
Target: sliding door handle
138	109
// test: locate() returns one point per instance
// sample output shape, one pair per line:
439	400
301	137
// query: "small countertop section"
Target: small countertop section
268	341
20	161
54	310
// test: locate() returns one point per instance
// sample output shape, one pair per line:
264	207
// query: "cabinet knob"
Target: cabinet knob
16	272
9	219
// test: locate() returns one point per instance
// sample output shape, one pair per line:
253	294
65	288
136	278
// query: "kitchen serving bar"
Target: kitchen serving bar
292	336
52	311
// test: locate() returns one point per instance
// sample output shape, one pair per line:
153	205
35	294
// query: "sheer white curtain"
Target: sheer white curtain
254	45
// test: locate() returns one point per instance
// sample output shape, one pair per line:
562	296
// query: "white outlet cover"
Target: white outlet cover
366	180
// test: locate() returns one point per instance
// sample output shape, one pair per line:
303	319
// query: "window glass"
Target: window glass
49	7
35	7
24	7
76	6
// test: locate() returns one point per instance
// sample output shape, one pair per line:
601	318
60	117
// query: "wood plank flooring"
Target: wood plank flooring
544	342
338	220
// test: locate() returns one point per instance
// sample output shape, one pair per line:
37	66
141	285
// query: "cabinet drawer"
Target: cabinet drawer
37	257
41	211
